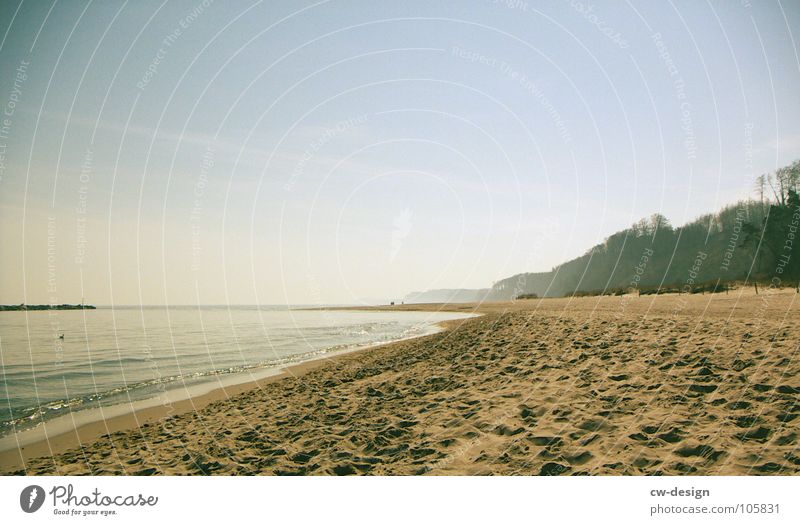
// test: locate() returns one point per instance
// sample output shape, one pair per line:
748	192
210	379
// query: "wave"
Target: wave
108	391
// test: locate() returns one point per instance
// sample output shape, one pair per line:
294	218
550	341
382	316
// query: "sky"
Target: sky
332	152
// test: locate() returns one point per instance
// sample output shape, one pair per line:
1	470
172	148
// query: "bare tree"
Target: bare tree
761	188
774	180
786	180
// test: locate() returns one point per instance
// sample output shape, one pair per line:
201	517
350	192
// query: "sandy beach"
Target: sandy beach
670	384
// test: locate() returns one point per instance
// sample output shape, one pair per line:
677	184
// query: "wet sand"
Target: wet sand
672	384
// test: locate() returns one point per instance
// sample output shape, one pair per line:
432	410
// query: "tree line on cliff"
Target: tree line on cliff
754	241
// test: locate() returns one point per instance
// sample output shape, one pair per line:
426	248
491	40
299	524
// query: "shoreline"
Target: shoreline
87	433
651	385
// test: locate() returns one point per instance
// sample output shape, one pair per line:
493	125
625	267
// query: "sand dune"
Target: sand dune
701	384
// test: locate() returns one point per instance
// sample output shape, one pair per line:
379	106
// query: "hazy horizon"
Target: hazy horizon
334	153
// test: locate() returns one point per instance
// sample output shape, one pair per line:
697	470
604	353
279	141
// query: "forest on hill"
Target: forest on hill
752	241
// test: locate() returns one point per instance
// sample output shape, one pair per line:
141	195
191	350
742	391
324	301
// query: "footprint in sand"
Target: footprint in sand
553	469
704	451
760	434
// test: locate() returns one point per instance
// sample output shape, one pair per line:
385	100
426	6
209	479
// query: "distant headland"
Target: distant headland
20	307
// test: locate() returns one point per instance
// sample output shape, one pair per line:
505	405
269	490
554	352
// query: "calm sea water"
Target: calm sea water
118	356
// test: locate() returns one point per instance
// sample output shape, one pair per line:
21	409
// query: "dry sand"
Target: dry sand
701	384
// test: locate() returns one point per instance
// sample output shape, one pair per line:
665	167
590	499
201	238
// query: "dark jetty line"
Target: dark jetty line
19	307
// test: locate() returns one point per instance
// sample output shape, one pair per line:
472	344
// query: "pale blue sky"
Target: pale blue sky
342	151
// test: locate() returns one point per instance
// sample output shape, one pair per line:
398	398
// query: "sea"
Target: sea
60	369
